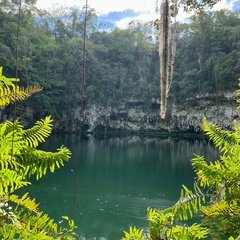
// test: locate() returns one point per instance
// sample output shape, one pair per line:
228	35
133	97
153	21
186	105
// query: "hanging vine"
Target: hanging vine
168	10
167	49
83	66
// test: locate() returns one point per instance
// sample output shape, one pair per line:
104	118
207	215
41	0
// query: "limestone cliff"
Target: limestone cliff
136	115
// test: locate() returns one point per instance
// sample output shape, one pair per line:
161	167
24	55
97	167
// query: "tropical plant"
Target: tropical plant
133	233
20	217
10	92
216	195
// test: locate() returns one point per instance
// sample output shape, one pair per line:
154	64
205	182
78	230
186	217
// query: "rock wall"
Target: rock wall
136	115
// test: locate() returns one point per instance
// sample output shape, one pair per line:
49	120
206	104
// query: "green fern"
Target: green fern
20	217
220	179
189	203
38	161
11	181
195	231
208	174
163	226
216	209
38	133
10	92
225	141
133	234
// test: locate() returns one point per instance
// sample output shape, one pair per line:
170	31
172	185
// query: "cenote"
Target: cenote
118	179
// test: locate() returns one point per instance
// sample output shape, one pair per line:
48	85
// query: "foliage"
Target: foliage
198	6
20	217
164	224
118	60
216	195
10	92
134	234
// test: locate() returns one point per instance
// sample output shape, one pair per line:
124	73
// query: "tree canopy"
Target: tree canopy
118	61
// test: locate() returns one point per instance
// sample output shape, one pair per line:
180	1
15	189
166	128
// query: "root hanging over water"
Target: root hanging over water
167	50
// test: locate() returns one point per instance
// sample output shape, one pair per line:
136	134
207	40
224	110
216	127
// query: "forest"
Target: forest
120	64
117	60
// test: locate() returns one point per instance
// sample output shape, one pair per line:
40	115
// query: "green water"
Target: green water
119	177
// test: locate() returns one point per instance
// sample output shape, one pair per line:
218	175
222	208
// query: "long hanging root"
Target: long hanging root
167	49
173	14
164	54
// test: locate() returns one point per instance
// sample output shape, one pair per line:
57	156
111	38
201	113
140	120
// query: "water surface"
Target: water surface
118	179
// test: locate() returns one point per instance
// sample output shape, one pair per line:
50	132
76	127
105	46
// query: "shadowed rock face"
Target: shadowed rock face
139	116
136	115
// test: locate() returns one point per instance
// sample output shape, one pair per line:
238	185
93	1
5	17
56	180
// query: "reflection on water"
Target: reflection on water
119	178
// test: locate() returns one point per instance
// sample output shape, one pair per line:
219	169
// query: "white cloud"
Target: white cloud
181	16
145	17
102	6
142	17
147	7
223	4
106	6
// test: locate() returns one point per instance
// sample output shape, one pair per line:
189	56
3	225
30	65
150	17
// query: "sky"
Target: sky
124	11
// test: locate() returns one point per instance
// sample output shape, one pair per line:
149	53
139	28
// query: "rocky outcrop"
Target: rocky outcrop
136	115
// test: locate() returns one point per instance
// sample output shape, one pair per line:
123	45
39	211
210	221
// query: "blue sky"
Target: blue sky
121	12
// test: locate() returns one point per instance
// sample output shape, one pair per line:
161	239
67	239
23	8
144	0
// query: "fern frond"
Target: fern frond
11	144
10	181
16	93
9	92
39	161
11	137
25	202
7	161
195	231
25	221
19	159
28	225
134	233
22	93
188	204
225	141
38	132
216	209
5	81
208	174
